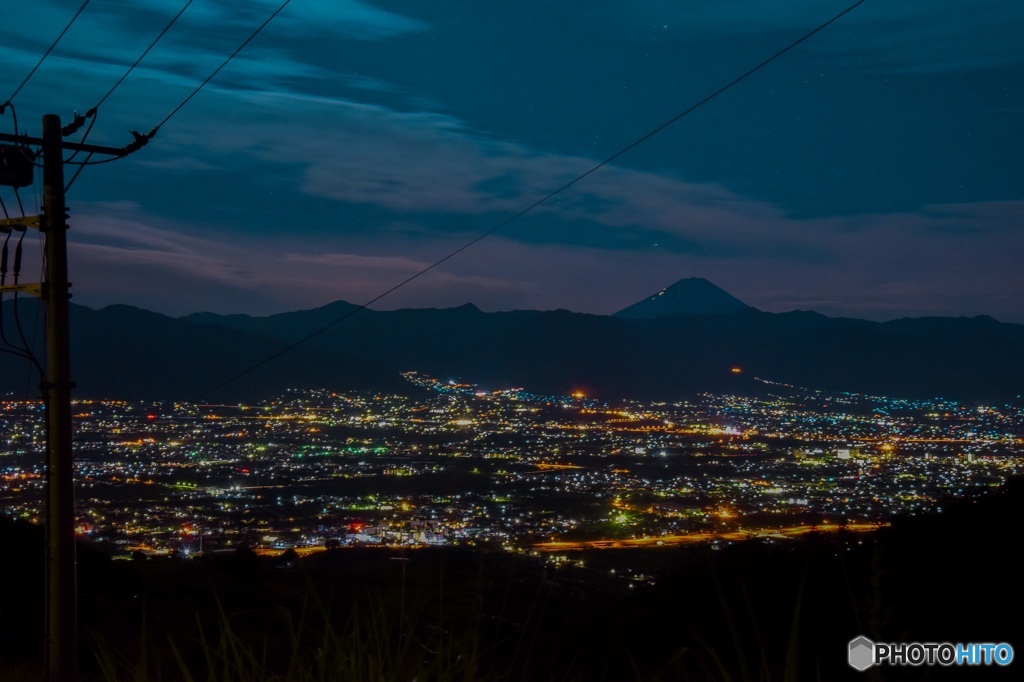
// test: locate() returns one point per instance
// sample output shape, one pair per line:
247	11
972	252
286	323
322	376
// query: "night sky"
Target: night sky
875	171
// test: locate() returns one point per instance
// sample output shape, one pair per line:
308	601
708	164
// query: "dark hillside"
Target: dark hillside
747	611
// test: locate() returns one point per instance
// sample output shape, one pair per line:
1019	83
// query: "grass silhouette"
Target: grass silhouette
747	613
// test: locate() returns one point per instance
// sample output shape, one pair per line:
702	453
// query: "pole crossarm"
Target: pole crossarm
19	224
80	147
32	288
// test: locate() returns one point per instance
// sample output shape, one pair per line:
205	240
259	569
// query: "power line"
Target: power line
80	120
45	55
24	350
225	63
140	139
93	114
142	56
537	203
14	114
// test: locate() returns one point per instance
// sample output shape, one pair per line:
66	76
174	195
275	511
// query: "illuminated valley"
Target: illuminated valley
454	464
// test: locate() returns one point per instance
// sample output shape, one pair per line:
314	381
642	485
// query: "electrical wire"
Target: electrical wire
225	63
79	120
95	163
23	351
45	55
17	195
85	136
17	315
140	139
14	114
142	56
78	172
83	164
37	186
535	204
31	347
93	112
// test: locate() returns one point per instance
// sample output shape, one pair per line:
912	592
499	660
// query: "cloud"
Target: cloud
340	128
119	254
879	267
428	162
108	37
352	18
349	18
429	168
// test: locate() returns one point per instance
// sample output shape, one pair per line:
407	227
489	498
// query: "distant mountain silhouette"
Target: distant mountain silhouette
126	352
121	351
690	296
670	356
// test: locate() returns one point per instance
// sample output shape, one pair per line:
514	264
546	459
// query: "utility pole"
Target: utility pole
61	582
62	598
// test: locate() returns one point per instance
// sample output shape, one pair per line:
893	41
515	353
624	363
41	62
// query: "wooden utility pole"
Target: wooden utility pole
61	588
61	584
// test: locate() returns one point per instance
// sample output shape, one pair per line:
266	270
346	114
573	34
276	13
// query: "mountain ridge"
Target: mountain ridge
122	351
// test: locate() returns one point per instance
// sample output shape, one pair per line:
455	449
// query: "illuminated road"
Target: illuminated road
301	551
654	541
692	538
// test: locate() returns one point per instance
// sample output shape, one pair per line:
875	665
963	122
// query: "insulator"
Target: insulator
139	142
72	128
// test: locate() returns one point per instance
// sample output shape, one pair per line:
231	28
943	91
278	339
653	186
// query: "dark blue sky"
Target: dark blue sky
877	170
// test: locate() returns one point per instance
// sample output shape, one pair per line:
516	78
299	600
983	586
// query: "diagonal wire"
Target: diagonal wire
47	54
142	56
14	113
93	111
23	350
7	346
223	64
640	140
145	138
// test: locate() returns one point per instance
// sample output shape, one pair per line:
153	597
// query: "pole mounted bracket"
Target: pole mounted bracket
22	141
32	288
19	224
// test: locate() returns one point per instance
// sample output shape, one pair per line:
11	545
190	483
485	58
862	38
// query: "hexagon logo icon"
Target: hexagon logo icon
862	653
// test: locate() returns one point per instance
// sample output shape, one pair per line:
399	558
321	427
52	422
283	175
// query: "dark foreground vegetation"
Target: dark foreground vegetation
746	612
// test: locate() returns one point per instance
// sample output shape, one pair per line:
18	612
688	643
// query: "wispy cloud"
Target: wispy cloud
349	121
880	266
